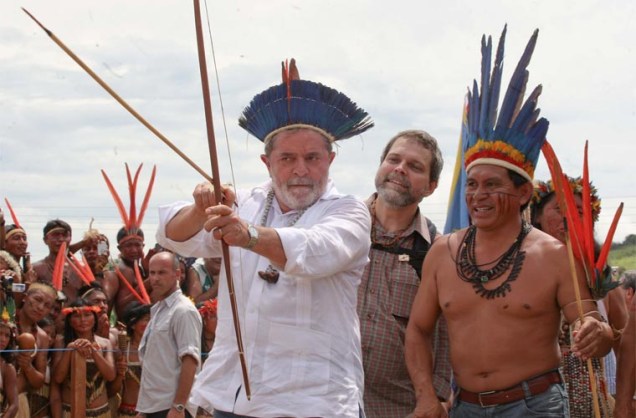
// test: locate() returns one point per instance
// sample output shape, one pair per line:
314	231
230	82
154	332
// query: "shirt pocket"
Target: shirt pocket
297	360
404	285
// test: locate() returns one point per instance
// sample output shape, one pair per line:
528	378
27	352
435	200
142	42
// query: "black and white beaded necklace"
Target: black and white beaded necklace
469	270
271	274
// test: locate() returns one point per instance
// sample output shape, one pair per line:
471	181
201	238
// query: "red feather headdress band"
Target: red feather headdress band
18	227
133	219
78	309
581	227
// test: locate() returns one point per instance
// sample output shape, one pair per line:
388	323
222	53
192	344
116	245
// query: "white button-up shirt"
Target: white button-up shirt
174	331
301	334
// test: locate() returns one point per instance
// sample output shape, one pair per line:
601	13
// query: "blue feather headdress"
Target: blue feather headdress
512	139
303	104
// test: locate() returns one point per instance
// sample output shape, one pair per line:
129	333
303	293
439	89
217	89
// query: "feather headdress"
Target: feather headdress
511	138
133	219
580	228
16	227
544	189
300	103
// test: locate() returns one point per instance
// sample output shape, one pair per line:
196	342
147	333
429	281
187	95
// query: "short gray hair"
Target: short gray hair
628	280
269	145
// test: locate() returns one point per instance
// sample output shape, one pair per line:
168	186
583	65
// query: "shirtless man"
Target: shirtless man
131	252
499	342
500	285
16	244
57	232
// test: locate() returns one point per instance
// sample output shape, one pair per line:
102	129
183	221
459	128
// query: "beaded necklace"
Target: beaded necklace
271	274
469	270
390	243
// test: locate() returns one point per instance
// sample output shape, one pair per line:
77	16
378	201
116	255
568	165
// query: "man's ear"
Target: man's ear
432	186
265	160
526	189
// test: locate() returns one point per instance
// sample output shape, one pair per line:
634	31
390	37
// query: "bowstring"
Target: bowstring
218	88
227	141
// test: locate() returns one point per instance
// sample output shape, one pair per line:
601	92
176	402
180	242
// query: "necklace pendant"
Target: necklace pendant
270	275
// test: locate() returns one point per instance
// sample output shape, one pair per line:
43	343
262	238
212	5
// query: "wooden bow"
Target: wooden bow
218	191
213	156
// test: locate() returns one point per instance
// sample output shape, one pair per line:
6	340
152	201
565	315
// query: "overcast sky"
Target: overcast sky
408	63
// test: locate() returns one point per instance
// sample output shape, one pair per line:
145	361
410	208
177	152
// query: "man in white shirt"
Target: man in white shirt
170	346
298	249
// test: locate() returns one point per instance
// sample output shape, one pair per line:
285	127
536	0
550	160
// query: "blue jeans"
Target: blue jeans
553	403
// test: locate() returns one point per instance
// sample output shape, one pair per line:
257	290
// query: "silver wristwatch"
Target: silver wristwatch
253	233
179	407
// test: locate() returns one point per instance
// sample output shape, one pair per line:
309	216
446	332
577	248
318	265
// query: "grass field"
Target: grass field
623	256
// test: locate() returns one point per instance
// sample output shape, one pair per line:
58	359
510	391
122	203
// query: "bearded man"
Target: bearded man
299	248
401	235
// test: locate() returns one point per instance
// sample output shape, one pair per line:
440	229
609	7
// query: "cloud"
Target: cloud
408	65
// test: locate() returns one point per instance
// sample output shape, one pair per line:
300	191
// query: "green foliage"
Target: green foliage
624	255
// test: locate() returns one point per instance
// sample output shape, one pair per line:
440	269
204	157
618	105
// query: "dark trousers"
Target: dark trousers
163	414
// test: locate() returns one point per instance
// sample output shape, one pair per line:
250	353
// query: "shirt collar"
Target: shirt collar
418	225
170	300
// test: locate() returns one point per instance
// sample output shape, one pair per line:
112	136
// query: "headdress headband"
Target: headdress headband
78	309
132	220
300	103
543	189
512	138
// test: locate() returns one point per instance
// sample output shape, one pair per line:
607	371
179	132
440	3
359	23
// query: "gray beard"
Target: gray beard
394	198
296	203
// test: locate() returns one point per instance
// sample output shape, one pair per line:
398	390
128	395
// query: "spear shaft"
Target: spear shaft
118	98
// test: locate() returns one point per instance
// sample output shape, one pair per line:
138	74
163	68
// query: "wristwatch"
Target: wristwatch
253	234
179	407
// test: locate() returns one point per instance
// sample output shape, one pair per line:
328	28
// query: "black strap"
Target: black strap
417	253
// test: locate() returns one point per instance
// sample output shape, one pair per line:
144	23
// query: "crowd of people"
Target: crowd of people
103	325
340	307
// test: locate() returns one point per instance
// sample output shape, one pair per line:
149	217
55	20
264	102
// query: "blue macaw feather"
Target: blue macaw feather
495	80
310	104
518	122
486	49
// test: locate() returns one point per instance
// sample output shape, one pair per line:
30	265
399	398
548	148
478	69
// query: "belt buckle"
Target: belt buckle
480	394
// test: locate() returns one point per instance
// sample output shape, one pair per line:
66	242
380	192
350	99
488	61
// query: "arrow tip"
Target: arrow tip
48	32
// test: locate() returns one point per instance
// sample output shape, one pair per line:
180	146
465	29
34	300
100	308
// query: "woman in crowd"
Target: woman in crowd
8	378
80	327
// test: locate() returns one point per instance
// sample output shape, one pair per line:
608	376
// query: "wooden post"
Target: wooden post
78	385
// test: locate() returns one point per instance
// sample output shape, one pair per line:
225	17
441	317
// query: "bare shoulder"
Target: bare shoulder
541	244
449	243
103	342
42	338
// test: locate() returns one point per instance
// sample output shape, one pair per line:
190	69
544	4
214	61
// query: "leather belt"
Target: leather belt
536	385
